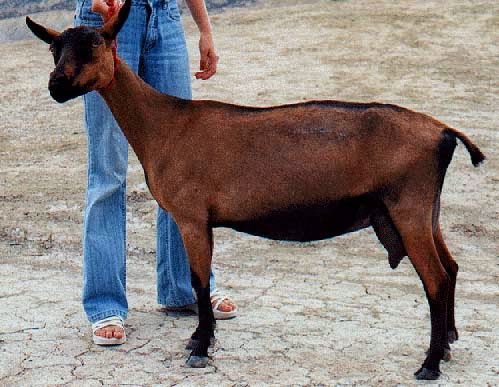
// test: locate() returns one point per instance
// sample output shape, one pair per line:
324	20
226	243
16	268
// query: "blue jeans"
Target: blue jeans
152	43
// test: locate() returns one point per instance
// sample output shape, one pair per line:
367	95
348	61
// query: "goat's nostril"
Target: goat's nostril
58	75
58	80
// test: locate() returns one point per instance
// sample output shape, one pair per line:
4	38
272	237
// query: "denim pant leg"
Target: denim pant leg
166	68
104	230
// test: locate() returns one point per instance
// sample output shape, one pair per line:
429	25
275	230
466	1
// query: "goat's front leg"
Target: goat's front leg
198	245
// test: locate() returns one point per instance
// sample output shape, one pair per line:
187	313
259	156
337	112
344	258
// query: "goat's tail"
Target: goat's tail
476	154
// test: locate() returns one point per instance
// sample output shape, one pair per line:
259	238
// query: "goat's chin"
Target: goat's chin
62	95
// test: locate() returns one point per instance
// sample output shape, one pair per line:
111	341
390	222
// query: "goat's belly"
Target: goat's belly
304	223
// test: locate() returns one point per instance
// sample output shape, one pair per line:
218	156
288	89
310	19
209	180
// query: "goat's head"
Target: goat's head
83	56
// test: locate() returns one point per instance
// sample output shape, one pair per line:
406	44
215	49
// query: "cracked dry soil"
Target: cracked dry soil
316	314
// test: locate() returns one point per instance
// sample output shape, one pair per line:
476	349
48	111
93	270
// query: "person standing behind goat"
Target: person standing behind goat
152	43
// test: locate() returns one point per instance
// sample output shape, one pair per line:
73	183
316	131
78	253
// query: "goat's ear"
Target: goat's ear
41	32
111	28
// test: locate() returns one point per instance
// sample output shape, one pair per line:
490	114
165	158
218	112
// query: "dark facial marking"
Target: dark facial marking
78	43
72	49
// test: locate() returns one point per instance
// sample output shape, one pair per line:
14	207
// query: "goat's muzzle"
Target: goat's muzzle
61	87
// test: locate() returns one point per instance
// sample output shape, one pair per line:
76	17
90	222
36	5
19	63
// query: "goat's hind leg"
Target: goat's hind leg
418	240
452	268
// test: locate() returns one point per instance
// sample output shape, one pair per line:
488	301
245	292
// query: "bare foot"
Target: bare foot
109	331
227	305
223	307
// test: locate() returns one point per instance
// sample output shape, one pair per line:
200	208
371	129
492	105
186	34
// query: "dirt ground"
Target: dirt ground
315	314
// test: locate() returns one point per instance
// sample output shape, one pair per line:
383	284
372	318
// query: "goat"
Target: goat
298	172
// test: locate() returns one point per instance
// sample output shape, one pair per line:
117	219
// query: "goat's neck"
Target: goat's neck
134	105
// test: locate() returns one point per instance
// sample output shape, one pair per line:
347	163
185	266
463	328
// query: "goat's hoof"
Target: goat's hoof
452	335
198	361
426	374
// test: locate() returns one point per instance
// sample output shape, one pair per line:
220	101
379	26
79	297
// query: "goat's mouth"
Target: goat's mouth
64	91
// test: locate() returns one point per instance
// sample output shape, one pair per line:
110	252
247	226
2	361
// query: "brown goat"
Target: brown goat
299	172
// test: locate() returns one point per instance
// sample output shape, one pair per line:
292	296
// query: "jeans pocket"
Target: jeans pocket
84	15
172	8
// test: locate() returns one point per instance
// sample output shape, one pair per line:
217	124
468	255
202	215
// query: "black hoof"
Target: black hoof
198	361
426	374
452	336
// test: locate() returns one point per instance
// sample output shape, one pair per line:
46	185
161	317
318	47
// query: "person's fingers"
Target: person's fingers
203	63
208	67
100	7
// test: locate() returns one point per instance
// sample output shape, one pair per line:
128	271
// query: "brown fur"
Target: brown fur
296	172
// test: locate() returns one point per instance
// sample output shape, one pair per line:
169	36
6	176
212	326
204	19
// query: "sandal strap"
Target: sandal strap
216	299
109	321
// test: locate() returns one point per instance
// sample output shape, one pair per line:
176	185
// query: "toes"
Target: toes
225	306
110	332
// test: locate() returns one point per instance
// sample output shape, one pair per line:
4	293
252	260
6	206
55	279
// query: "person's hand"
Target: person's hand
209	58
102	7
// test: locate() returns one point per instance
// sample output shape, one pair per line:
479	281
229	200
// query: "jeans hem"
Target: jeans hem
102	315
164	301
176	302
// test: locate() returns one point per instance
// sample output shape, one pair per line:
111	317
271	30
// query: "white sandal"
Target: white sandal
216	299
115	321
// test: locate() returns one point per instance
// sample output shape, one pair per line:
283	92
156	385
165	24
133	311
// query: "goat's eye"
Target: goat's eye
51	49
